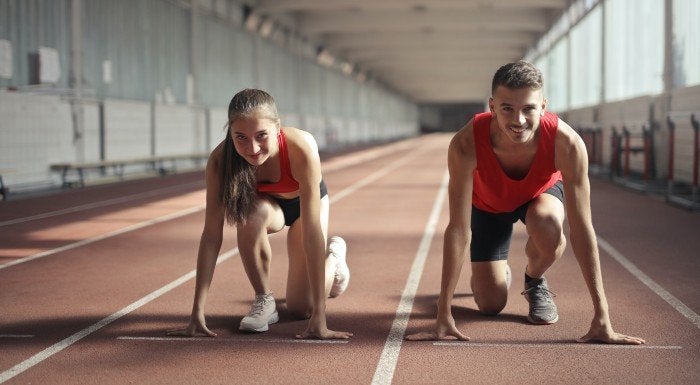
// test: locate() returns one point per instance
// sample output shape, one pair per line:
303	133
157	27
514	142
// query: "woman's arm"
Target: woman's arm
306	169
209	247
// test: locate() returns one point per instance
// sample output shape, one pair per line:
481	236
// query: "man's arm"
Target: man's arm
461	161
572	159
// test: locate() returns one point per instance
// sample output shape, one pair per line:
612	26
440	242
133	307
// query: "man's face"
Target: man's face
518	112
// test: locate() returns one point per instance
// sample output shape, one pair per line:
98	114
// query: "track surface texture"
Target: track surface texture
91	279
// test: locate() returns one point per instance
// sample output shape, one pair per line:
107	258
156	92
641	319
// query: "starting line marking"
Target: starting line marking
234	340
564	345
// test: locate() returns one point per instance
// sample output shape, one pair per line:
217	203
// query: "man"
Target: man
518	162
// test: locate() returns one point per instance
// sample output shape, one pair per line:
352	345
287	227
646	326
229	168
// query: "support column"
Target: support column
76	78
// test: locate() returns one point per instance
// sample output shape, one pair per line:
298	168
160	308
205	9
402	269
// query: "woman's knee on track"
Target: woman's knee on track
299	309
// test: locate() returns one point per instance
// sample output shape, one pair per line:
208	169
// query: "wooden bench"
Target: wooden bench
73	173
4	191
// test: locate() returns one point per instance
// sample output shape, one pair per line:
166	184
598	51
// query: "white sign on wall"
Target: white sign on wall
107	71
5	59
49	65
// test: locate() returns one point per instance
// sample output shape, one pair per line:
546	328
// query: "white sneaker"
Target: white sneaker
262	313
338	248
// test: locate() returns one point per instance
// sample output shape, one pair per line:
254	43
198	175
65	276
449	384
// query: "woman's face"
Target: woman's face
255	138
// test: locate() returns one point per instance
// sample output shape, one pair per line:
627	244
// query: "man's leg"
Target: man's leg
489	284
489	247
544	223
546	244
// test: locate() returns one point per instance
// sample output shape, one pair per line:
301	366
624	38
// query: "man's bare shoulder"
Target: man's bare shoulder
567	138
463	141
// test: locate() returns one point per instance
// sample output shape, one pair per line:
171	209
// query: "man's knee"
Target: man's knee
491	305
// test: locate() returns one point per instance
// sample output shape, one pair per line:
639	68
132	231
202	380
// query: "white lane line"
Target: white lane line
57	347
53	349
234	340
88	241
368	155
16	336
334	198
655	287
567	346
390	354
372	177
94	205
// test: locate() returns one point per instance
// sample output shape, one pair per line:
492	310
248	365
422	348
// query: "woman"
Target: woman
261	178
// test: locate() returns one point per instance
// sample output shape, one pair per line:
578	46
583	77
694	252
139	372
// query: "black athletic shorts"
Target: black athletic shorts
491	232
291	208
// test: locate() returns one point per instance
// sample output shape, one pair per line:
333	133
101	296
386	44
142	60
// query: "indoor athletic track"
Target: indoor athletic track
91	279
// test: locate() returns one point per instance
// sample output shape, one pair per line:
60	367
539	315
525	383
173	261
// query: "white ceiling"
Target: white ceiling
432	51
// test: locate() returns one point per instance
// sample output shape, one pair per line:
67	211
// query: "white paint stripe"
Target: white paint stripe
368	155
234	340
334	198
57	347
94	205
88	241
554	345
655	287
371	177
390	354
16	336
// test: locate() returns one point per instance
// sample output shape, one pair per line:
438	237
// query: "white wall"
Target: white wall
35	130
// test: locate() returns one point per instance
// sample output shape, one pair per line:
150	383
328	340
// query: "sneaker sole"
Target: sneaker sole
542	322
273	319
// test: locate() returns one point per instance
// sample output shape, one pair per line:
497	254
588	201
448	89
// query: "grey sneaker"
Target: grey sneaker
543	311
262	313
338	249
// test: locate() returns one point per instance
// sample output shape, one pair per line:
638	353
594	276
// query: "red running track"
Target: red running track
91	279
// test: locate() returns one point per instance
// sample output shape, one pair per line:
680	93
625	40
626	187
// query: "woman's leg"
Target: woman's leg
254	246
299	299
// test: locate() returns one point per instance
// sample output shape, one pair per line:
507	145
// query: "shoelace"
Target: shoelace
258	307
540	292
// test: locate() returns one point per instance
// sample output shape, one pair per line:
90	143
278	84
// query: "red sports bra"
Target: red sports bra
494	191
287	183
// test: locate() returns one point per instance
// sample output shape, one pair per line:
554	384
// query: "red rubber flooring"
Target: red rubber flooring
91	279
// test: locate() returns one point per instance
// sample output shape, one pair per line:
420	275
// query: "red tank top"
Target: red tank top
287	183
496	192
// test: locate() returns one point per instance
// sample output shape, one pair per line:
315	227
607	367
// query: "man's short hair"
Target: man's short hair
520	74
